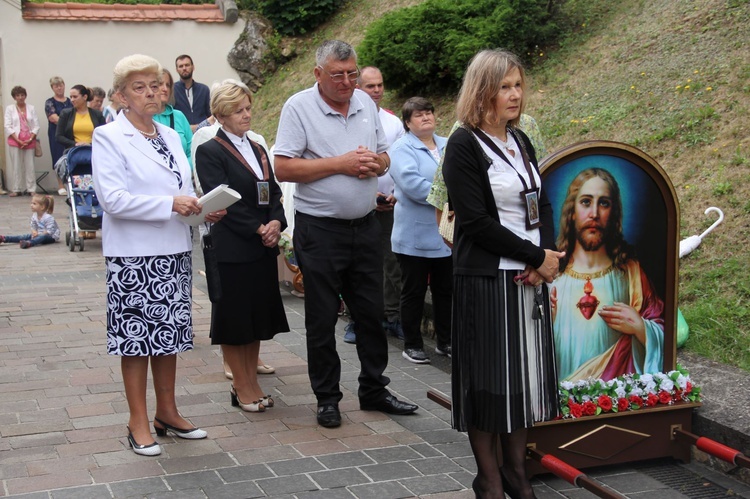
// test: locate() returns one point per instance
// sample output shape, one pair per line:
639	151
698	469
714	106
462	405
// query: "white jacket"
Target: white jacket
13	120
135	187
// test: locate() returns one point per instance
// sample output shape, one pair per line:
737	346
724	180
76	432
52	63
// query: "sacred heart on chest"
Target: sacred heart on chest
588	303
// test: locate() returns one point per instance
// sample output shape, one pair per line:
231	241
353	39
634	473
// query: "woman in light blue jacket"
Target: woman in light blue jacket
421	252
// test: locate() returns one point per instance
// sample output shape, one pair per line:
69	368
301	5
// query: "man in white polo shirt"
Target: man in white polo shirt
330	141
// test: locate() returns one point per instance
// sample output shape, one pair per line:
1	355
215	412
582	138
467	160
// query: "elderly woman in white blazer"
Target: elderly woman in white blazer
143	182
21	129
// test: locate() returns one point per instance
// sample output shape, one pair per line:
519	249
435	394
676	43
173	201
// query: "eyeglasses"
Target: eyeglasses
140	87
340	77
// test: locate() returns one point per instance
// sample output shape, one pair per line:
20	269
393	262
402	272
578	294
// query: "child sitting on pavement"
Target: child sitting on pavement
44	229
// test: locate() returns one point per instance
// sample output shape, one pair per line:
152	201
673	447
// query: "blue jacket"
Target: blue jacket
201	102
415	229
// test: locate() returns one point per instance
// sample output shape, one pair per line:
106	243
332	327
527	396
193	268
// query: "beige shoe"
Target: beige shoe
255	406
266	369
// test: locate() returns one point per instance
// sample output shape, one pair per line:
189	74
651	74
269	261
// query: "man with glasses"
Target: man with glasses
330	141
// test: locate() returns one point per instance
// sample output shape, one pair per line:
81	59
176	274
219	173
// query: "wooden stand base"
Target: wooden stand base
614	438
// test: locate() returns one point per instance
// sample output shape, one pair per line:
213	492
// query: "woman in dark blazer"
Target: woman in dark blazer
76	125
246	244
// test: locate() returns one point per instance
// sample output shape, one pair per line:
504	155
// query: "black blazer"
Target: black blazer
480	239
64	133
235	237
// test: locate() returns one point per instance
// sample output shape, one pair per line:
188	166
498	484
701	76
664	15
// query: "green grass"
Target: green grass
671	78
716	306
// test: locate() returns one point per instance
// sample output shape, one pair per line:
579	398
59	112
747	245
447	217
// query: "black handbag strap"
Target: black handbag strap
241	158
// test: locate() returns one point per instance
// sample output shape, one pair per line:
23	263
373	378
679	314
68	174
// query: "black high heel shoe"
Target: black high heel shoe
191	434
510	490
475	488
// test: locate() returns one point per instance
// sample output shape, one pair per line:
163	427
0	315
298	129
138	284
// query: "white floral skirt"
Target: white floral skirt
149	305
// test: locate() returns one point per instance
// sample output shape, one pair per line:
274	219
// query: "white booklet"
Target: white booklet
218	199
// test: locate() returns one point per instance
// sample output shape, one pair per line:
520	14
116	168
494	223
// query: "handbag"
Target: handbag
38	148
213	279
447	223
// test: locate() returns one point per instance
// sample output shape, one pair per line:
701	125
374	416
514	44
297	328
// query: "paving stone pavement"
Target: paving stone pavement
63	411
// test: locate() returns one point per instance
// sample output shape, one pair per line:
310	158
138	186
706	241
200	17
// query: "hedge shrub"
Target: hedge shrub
295	17
426	48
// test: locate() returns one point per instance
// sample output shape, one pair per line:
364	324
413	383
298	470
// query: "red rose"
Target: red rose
623	405
589	408
636	400
652	400
689	387
576	410
605	402
665	397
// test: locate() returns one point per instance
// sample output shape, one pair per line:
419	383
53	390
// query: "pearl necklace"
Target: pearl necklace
150	134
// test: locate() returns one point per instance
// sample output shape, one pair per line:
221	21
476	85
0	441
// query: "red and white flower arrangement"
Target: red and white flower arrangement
631	392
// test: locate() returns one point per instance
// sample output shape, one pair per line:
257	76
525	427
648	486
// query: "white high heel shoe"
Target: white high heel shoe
256	406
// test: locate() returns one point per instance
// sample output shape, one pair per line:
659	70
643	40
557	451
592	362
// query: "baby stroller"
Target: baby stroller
85	213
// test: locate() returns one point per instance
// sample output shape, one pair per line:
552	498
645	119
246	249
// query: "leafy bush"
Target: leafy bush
427	47
294	17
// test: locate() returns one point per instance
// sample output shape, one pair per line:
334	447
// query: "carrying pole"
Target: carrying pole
714	448
573	475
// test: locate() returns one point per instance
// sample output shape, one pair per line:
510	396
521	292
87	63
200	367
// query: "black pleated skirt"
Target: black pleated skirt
504	375
250	308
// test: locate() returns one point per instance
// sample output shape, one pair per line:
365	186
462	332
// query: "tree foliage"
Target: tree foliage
294	17
427	47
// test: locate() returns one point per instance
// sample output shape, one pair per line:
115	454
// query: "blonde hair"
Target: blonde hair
168	76
136	63
55	80
47	202
226	96
482	82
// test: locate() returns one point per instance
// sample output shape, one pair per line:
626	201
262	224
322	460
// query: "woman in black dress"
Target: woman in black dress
504	376
245	242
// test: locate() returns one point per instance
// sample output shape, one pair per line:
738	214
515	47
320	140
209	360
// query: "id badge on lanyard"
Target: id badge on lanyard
529	196
531	201
264	194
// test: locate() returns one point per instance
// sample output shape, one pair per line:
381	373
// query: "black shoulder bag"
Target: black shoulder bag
213	279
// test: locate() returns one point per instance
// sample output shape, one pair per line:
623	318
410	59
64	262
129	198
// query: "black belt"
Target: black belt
339	221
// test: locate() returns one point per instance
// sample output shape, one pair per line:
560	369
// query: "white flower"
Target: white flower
667	384
567	385
646	379
682	381
620	391
636	391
